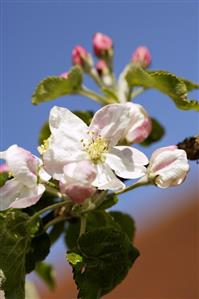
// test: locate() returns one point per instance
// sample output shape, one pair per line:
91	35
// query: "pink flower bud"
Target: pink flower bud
77	180
4	168
102	44
78	193
168	166
102	68
79	54
142	56
64	75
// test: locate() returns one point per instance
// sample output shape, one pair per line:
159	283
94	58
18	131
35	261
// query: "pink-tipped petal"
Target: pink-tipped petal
169	166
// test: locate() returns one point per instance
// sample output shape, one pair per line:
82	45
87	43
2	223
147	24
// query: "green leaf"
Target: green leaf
74	258
189	84
37	253
54	87
86	116
107	257
44	133
156	134
95	219
4	176
15	243
126	223
170	84
47	273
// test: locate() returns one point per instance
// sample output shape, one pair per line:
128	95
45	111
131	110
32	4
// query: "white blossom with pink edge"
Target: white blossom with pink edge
77	180
139	126
73	141
168	166
22	190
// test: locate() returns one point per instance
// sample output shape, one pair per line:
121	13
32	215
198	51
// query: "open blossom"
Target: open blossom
139	126
73	141
168	166
77	180
22	190
102	44
142	56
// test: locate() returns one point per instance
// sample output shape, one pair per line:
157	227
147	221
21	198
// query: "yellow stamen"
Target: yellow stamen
96	148
43	147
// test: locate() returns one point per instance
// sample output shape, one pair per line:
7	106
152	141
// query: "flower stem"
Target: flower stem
54	221
137	92
84	91
142	182
82	225
51	207
95	77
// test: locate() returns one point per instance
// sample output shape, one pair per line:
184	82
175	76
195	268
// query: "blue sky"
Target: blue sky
37	40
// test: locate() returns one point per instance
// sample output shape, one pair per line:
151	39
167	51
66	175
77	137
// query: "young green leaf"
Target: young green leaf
54	87
4	176
125	222
107	257
170	84
156	134
15	243
47	273
44	133
37	253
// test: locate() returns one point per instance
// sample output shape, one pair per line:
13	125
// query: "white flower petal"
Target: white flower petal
169	166
110	122
65	142
71	126
80	172
44	175
106	179
127	162
28	197
9	191
139	126
22	164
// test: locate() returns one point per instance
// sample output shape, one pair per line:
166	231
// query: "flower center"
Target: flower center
95	149
43	147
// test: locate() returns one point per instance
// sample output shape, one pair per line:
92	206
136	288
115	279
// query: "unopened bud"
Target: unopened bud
168	166
81	57
142	57
64	75
102	45
102	68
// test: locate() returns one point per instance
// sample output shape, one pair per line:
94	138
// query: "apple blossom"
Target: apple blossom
73	141
77	180
142	56
22	190
102	44
139	126
168	166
